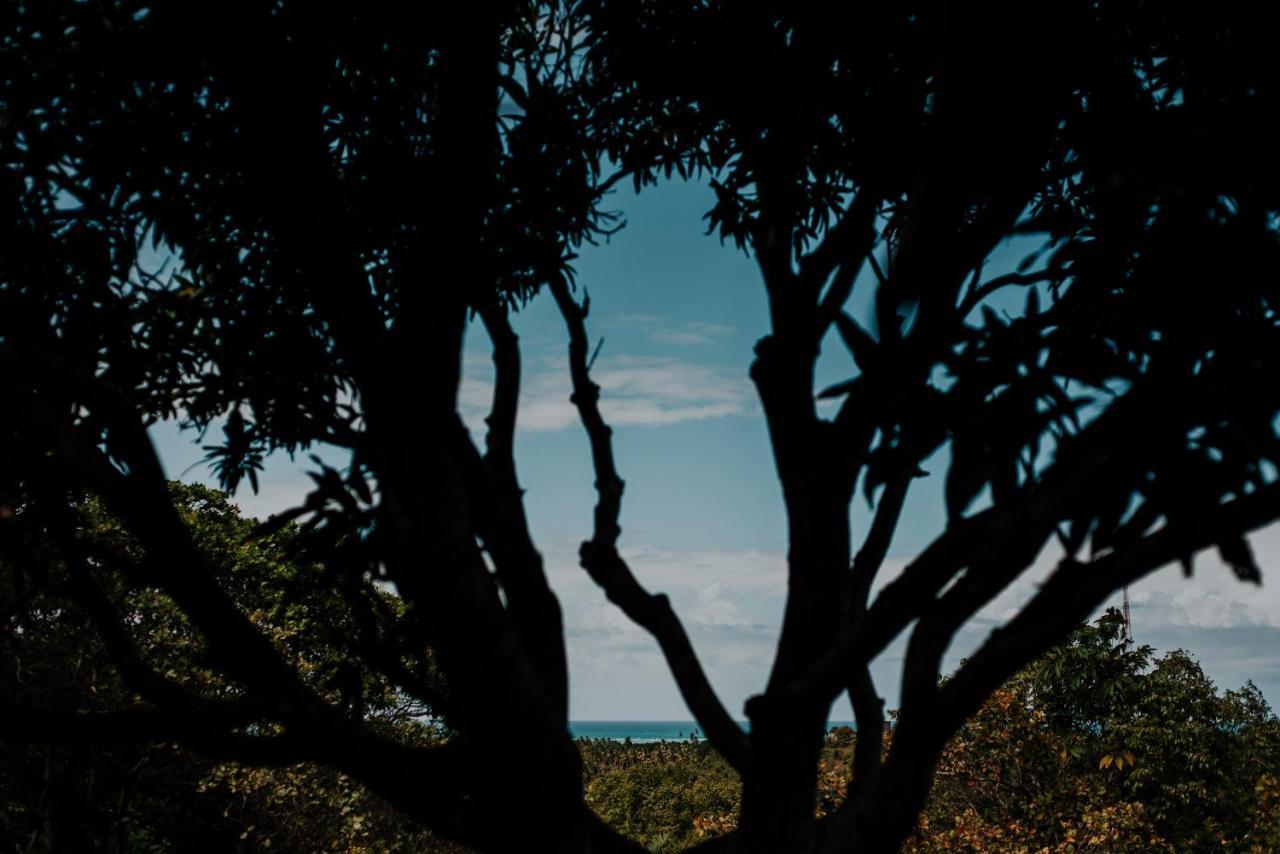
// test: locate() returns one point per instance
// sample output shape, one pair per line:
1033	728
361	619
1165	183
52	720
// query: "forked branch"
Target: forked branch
1067	598
1076	589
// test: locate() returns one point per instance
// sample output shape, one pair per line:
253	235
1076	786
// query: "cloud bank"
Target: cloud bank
636	391
731	604
660	330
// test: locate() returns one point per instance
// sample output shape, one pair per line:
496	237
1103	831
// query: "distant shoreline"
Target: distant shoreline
648	732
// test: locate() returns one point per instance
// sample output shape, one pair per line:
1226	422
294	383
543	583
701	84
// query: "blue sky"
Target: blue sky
702	516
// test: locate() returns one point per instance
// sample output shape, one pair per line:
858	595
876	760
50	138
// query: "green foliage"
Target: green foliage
158	796
1097	746
1100	746
667	795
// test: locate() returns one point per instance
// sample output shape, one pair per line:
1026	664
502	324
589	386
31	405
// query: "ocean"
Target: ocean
649	731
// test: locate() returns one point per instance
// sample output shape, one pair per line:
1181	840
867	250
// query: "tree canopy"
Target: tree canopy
162	795
277	219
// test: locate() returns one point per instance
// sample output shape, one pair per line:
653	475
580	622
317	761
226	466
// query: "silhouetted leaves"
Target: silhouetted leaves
282	214
1237	554
238	457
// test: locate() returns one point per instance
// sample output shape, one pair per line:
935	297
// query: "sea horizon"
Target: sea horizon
648	731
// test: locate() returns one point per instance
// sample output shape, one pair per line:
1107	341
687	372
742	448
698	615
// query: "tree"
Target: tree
279	217
1099	746
162	797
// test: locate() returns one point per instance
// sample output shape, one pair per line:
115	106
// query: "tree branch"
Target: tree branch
1076	589
141	500
1070	594
842	251
868	714
849	239
207	729
500	439
973	539
980	292
600	558
875	547
502	522
868	706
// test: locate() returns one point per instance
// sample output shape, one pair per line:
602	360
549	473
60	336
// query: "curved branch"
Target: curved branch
894	609
973	539
1076	589
980	292
849	240
600	558
875	547
868	714
141	499
868	706
1071	593
503	524
500	439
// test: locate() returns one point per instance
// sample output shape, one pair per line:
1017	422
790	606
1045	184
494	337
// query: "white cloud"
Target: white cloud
690	334
714	607
1212	598
635	391
731	604
678	333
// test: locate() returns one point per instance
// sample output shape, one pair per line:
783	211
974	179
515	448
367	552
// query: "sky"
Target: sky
702	516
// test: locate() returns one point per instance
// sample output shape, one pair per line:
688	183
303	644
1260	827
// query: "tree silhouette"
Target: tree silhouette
275	219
